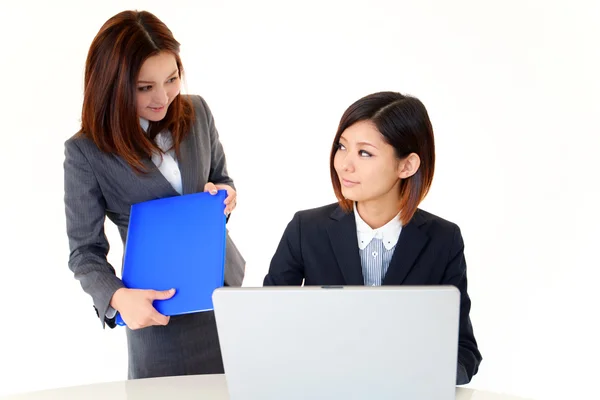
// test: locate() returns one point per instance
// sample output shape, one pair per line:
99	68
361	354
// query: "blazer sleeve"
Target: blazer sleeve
85	211
218	162
469	356
235	264
287	267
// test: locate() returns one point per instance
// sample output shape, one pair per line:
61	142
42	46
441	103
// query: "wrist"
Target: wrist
115	300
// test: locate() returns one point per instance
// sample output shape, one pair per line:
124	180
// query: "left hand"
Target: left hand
230	201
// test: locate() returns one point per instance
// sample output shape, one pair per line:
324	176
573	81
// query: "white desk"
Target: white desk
194	387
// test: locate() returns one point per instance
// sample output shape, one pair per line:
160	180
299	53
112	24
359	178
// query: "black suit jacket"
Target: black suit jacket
320	247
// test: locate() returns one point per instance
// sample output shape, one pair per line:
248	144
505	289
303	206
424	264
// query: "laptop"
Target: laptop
339	342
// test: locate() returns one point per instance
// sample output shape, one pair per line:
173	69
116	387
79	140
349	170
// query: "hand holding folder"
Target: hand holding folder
137	305
177	242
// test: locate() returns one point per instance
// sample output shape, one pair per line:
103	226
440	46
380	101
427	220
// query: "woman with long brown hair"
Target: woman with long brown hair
141	139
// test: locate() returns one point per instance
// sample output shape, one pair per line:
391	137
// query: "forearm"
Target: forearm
98	279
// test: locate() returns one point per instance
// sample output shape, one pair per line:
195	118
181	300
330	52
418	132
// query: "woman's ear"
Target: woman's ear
409	166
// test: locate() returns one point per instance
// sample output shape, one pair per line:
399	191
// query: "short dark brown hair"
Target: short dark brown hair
109	115
404	123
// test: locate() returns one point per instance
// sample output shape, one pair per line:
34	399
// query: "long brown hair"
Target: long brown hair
114	60
404	123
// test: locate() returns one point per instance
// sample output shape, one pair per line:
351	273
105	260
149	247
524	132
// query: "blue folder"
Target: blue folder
177	242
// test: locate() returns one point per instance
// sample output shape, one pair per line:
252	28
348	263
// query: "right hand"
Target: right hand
136	309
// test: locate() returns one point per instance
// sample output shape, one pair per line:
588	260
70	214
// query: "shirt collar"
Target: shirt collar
144	123
163	140
389	233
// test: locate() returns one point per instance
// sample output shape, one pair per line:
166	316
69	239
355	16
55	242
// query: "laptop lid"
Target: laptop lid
353	342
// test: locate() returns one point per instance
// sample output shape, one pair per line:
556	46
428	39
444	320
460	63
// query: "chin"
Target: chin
155	117
351	195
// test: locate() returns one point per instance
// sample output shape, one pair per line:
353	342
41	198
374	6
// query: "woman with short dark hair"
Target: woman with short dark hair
382	165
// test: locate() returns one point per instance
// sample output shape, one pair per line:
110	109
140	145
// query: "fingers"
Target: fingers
159	319
148	318
211	188
154	317
230	203
140	313
231	200
161	294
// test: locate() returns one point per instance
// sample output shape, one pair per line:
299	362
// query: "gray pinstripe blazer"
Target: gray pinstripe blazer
99	185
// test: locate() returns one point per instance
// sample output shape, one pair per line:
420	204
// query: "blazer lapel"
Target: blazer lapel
411	242
188	165
153	180
342	234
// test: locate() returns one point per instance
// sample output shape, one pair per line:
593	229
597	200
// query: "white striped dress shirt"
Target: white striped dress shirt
376	247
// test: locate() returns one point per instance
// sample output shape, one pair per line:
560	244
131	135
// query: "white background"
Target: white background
512	90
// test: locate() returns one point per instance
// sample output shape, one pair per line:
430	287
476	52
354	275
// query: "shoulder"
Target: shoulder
80	145
436	226
311	223
425	217
202	111
203	124
320	214
313	220
197	101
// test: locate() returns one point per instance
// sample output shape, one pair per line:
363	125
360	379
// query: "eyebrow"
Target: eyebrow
171	74
359	143
367	144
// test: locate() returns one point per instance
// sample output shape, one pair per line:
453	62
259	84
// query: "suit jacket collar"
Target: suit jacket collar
158	185
188	164
342	234
343	238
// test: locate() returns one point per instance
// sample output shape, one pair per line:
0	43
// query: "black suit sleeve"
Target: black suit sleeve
287	267
469	356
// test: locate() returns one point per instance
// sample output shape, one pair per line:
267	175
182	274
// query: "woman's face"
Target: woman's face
367	166
158	84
